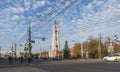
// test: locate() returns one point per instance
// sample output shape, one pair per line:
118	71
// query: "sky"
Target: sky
75	18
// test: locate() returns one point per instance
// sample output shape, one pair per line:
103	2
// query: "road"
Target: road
66	66
80	67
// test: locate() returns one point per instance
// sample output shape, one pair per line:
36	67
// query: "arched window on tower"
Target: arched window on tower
55	27
55	32
56	46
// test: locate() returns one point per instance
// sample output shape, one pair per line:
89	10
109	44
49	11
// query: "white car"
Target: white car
112	57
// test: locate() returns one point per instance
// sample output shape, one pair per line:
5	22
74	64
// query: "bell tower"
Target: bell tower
55	47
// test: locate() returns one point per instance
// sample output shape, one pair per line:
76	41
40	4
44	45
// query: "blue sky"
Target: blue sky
91	17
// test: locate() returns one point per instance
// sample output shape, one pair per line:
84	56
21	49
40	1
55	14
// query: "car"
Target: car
57	58
112	57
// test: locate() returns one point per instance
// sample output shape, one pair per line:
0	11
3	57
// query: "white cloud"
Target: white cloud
67	3
14	9
39	4
105	20
15	17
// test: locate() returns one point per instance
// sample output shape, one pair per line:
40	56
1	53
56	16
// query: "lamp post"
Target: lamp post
81	37
12	50
81	50
15	50
81	44
99	47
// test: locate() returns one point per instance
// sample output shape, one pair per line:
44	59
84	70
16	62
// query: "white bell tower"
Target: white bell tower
55	47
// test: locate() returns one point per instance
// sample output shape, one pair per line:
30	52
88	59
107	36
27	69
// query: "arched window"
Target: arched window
56	46
55	32
55	26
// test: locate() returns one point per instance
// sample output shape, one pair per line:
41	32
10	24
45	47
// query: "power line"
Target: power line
52	11
25	19
22	38
59	13
26	15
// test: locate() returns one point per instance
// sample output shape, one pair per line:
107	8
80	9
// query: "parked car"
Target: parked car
112	57
57	58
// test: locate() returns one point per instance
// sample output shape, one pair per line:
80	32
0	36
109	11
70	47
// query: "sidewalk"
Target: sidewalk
85	61
15	63
12	65
90	60
16	66
68	61
21	69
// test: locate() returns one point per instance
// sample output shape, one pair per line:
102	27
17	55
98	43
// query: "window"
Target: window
55	32
56	46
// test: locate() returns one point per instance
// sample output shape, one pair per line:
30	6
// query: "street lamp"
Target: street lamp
99	46
81	43
81	37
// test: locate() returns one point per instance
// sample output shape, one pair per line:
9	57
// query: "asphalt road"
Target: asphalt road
80	67
63	66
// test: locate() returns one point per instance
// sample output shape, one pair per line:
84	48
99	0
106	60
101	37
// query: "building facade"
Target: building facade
55	46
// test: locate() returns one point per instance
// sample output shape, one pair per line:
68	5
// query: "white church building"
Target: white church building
55	46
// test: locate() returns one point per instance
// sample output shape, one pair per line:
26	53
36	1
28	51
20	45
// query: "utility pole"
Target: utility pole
0	52
28	45
15	50
81	37
81	44
29	38
29	35
99	47
12	50
28	48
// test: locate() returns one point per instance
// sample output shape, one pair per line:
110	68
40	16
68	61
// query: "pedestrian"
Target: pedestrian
29	59
21	59
10	59
86	55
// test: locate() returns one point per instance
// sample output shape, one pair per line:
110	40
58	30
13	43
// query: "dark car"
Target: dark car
57	58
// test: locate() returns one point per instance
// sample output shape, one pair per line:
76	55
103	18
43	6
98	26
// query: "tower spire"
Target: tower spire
55	23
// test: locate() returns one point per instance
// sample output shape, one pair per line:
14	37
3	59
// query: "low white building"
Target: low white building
6	54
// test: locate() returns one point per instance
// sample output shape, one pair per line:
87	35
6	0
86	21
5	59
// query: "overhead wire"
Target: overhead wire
26	17
52	10
58	13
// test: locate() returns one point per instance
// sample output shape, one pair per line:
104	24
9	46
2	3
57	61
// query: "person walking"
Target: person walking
10	59
29	59
21	59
